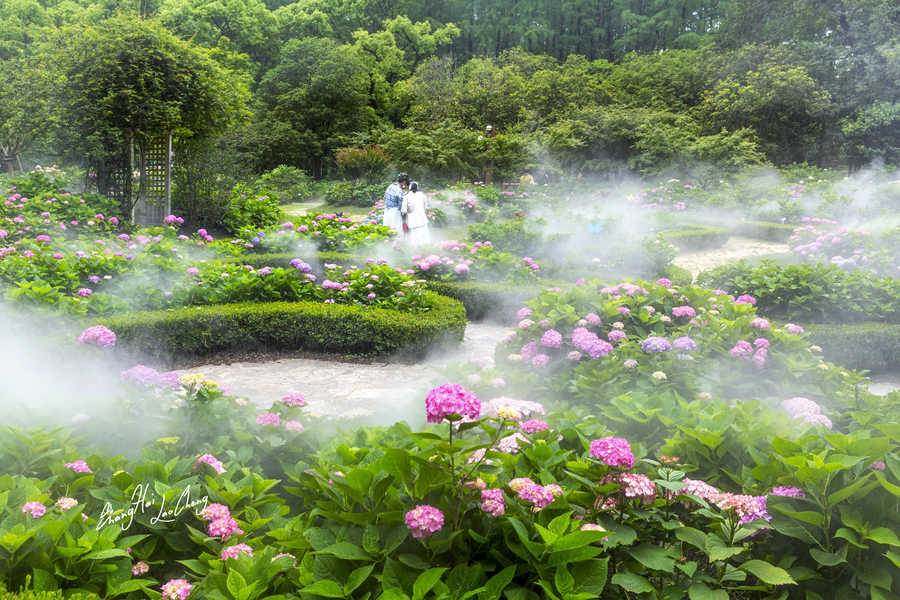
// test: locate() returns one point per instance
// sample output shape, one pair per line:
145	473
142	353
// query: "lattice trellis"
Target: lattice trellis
153	186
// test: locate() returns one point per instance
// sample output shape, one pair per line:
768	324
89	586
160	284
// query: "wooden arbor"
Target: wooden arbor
141	182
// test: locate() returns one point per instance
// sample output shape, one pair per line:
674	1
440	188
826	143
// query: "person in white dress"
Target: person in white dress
393	198
415	209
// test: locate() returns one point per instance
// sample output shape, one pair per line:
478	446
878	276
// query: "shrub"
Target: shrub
677	275
289	184
365	162
701	238
486	300
348	193
764	230
283	259
316	327
509	236
810	293
870	346
248	209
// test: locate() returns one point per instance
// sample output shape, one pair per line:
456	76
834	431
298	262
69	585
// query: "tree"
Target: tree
309	105
25	109
128	81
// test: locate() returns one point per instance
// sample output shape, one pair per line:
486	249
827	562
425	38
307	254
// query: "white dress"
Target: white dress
392	202
415	206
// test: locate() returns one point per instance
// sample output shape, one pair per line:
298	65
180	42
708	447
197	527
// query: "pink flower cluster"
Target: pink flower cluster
746	351
294	399
747	508
492	502
212	461
551	339
613	452
270	419
140	568
588	342
805	410
451	399
99	336
539	495
236	550
684	311
746	299
788	491
35	509
149	376
176	589
633	485
514	407
79	466
534	425
221	523
424	520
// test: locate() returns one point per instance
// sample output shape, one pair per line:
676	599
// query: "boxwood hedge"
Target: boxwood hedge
285	326
871	346
765	230
700	238
483	299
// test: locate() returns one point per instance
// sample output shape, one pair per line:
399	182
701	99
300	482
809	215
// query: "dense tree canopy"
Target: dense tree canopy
643	84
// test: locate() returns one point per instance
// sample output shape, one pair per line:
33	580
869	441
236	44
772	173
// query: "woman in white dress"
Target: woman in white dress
415	208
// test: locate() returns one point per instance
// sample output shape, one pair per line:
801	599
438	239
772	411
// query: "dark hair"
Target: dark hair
414	187
403	177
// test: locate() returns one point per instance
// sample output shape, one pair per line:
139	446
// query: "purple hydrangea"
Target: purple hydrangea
613	452
654	344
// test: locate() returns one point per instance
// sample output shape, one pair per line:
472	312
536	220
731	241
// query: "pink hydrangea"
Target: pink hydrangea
224	528
294	399
616	335
613	452
424	520
451	399
214	511
523	312
99	336
574	355
65	503
633	485
492	502
742	349
293	426
760	323
743	299
664	282
539	361
212	461
79	466
761	343
699	488
551	339
236	550
520	483
271	419
623	310
788	491
35	509
85	292
140	568
593	319
684	311
539	495
525	323
176	589
529	350
510	443
534	425
793	329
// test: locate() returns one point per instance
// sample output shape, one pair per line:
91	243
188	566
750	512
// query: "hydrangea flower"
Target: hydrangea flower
236	550
633	485
271	419
534	425
140	568
743	299
35	509
212	461
224	528
654	344
510	443
492	502
424	520
742	349
665	283
521	408
593	319
451	399
793	329
294	399
79	466
684	311
529	350
65	503
574	355
99	336
519	483
788	491
214	511
523	312
293	426
587	341
551	339
760	323
630	363
613	452
616	335
540	360
176	589
684	343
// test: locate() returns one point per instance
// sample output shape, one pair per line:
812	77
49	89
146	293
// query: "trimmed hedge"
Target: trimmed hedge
701	238
279	326
810	293
485	300
765	230
872	346
283	259
678	275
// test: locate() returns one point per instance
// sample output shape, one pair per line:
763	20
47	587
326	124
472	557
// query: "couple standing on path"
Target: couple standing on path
407	213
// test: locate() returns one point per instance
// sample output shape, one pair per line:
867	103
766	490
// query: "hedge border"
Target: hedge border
283	259
194	331
873	346
488	300
701	238
765	230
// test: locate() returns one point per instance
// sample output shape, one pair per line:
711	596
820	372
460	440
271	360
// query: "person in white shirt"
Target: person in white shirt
393	198
415	209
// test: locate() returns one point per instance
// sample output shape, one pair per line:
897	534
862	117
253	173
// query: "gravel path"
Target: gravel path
380	391
734	249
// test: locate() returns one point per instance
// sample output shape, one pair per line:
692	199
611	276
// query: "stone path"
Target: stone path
734	249
382	392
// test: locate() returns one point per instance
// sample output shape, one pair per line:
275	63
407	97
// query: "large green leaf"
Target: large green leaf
653	557
700	591
325	587
632	582
767	572
427	580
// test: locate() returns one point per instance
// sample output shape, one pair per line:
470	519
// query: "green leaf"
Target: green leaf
44	581
853	488
893	489
563	580
356	578
653	557
235	583
807	516
325	587
590	576
345	550
427	580
577	539
767	572
828	559
109	553
892	556
694	537
632	582
883	535
700	591
496	584
717	550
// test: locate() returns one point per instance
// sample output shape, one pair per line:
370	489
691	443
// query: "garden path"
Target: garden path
734	249
381	392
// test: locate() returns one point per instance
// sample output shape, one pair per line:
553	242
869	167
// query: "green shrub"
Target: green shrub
32	595
871	346
310	326
290	184
700	238
764	230
677	275
248	209
348	193
485	300
283	259
810	293
509	236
